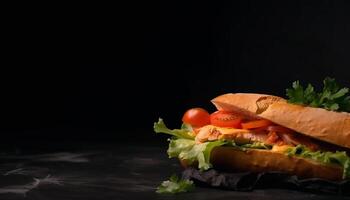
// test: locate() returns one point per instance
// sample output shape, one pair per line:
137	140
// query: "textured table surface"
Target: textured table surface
107	172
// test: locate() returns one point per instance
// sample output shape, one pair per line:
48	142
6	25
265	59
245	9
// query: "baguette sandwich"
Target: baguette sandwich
306	135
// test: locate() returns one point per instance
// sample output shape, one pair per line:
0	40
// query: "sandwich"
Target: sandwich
306	134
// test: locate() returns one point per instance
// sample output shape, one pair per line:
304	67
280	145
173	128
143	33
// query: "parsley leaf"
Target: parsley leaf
175	185
332	97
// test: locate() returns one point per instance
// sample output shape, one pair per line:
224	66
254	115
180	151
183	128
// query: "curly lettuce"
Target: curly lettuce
182	145
257	145
188	150
184	132
338	157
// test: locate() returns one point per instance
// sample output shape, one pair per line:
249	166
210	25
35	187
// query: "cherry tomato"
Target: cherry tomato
197	117
256	124
225	119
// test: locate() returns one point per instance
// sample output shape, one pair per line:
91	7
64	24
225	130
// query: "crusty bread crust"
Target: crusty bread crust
328	126
256	160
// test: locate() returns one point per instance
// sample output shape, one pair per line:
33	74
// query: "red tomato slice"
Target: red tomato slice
226	119
197	117
256	124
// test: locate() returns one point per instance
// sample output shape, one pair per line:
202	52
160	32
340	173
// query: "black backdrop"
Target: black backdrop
102	72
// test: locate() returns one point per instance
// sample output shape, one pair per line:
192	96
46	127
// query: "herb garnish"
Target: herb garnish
175	185
332	97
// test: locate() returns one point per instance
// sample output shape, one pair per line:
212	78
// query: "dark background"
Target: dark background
107	72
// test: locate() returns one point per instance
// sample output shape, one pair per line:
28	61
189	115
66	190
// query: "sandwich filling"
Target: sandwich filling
240	123
245	136
195	144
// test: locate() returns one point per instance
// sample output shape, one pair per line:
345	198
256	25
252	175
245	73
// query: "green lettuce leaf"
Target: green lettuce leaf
175	185
338	157
332	97
187	149
184	132
257	145
184	147
187	127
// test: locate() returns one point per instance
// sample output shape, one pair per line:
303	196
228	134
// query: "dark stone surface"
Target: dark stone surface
108	172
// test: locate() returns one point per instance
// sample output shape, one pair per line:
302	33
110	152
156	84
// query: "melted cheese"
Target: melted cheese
210	132
280	148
